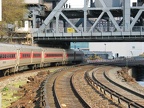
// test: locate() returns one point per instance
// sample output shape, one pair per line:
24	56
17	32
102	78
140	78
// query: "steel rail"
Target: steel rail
96	84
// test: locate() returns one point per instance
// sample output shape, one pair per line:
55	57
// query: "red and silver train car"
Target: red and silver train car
14	58
74	55
8	57
53	56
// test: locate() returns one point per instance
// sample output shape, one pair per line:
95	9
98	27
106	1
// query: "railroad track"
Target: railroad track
68	87
64	91
60	91
87	86
92	97
120	95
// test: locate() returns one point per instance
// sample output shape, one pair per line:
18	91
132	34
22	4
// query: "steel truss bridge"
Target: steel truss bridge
97	22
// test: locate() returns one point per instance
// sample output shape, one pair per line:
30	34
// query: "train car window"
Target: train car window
7	56
78	54
4	56
25	55
0	55
28	55
12	55
36	55
70	55
53	55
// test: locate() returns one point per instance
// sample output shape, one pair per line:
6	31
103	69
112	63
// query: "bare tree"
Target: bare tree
12	10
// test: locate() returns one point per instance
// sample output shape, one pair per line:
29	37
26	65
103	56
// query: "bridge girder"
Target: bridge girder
58	12
119	21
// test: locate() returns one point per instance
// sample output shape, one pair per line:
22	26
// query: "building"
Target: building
80	45
101	54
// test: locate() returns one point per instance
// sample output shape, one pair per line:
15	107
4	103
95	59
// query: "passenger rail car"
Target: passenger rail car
14	58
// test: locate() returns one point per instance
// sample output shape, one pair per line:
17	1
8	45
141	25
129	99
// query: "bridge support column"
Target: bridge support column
57	23
34	19
85	14
126	15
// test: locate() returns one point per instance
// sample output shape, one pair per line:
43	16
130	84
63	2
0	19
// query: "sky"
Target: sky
76	3
80	3
123	48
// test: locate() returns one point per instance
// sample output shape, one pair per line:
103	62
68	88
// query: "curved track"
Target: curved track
87	86
60	90
124	97
64	91
91	96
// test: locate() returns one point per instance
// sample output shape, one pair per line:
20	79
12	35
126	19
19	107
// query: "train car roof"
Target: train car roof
19	46
46	48
4	44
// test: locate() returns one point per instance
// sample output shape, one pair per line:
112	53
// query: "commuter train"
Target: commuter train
14	58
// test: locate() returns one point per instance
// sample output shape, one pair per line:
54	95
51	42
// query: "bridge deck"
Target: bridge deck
92	36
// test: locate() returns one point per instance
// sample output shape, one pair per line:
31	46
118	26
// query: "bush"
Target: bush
5	89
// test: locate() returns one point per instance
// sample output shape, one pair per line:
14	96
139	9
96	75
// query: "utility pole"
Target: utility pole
0	10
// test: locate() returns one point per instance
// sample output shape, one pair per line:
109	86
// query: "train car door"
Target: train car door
42	56
32	56
64	55
17	59
74	55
